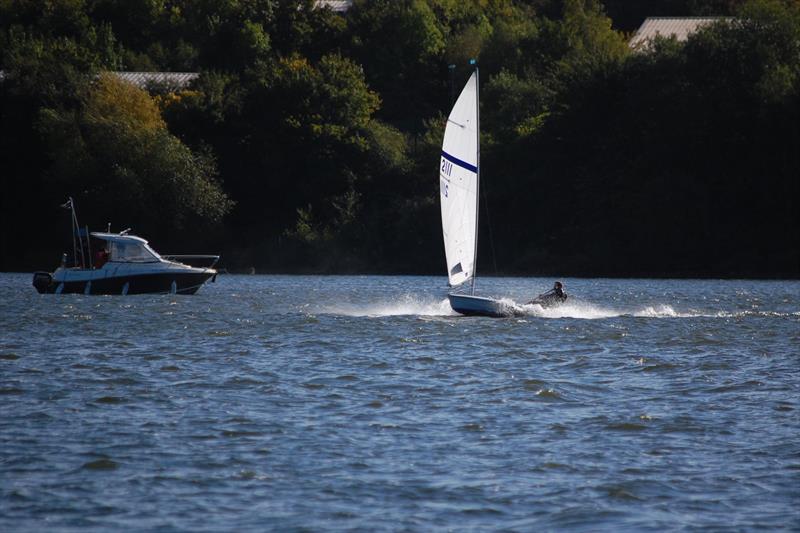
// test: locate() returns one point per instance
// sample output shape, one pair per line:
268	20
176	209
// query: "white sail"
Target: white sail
458	181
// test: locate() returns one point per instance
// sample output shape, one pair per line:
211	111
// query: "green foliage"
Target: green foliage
515	107
327	128
587	41
117	151
46	71
513	45
387	147
680	150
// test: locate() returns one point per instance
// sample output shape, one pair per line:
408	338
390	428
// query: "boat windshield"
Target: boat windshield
132	252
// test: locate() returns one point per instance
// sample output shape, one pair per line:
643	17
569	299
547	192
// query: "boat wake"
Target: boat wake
408	304
569	309
418	305
586	310
590	311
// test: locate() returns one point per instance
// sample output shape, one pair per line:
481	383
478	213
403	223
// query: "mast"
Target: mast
77	237
72	219
77	229
478	166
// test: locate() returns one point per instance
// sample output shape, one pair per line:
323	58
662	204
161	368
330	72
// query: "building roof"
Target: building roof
680	28
169	80
172	81
340	6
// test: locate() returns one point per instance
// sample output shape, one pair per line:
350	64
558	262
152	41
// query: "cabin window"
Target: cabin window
131	252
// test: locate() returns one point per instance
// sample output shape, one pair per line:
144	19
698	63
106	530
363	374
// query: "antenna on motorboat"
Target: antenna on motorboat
89	248
76	233
108	228
125	231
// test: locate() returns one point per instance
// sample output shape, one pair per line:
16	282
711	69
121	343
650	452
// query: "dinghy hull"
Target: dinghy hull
478	306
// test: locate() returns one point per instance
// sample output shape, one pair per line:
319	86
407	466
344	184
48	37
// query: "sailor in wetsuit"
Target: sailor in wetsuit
554	296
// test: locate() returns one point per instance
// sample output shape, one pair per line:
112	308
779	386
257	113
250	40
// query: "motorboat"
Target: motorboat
123	263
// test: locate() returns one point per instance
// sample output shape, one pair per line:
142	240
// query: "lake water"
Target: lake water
363	403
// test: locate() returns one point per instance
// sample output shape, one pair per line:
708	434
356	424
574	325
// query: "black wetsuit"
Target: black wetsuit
550	298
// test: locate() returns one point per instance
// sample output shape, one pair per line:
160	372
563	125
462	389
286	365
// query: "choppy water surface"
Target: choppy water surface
271	402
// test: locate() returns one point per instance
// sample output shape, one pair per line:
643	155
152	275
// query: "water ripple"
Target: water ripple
364	403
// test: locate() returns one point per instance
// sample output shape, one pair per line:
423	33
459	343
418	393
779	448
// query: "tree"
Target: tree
117	151
401	43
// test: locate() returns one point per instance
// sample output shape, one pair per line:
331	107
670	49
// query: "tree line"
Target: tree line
311	139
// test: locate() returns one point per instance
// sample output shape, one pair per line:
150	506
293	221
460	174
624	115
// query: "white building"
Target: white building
168	80
340	6
172	81
680	28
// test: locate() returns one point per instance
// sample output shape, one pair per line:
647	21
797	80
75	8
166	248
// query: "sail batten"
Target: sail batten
458	181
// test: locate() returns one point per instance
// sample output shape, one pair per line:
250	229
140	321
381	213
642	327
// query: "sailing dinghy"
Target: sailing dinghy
459	182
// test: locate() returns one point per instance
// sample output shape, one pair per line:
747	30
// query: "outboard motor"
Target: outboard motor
42	281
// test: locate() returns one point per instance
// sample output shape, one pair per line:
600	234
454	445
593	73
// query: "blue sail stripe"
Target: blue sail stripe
460	163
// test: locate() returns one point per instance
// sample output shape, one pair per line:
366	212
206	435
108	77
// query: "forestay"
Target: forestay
458	180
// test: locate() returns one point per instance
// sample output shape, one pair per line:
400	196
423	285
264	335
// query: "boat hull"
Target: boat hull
154	283
479	306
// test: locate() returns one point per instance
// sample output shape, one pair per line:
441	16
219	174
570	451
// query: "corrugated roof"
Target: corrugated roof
681	28
143	80
339	6
169	80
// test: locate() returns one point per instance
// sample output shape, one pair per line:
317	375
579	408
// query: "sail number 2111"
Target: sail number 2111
447	168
